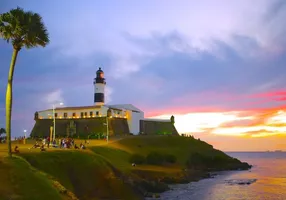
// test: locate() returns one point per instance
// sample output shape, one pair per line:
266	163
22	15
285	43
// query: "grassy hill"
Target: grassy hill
19	181
104	171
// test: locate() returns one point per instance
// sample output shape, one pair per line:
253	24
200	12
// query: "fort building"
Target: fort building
99	118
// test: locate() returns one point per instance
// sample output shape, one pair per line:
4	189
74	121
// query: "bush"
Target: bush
198	160
137	159
93	136
215	162
170	158
155	158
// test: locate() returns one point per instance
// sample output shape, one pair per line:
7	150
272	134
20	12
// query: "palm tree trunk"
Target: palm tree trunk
9	99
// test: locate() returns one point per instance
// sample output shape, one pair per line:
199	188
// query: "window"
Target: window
81	114
118	112
65	115
73	114
91	113
97	113
56	115
85	114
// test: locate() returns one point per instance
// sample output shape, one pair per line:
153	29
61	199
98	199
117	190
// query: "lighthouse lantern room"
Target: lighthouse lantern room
99	87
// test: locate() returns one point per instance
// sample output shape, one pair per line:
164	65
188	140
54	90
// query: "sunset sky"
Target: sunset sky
218	66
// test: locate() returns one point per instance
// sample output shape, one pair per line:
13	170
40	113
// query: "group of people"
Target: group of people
65	143
20	140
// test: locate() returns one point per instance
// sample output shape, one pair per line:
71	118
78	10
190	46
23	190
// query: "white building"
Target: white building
99	109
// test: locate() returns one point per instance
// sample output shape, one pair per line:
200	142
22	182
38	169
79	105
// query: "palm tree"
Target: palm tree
23	29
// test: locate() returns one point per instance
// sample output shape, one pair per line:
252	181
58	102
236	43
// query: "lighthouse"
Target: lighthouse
99	86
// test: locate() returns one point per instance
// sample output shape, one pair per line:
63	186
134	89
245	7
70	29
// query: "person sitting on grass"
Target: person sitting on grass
43	148
36	145
16	149
82	146
76	147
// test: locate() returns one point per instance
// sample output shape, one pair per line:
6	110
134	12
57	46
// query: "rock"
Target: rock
240	181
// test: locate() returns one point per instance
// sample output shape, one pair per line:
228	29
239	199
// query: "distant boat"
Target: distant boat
277	151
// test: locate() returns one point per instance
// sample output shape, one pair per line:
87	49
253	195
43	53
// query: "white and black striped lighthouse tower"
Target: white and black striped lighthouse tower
99	86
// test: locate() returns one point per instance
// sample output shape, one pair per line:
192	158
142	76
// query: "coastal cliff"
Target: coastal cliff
106	171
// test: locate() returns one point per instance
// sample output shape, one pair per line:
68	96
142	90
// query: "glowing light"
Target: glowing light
240	123
199	122
277	119
264	134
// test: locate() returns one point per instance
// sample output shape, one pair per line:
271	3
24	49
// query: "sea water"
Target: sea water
265	181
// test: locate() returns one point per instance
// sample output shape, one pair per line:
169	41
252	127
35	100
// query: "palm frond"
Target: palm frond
23	29
37	33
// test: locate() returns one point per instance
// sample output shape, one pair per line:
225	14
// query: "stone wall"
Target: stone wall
157	128
80	127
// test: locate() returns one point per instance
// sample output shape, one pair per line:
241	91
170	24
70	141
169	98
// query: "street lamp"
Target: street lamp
106	128
25	136
54	119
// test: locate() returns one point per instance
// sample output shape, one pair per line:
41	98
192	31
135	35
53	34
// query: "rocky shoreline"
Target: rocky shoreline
153	186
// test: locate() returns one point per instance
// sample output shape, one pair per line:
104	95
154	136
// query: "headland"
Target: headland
107	171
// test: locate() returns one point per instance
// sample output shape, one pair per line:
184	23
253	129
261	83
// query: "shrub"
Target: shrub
218	162
137	159
155	158
197	160
170	158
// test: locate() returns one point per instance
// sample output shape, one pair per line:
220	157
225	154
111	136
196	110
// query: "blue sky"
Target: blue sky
165	57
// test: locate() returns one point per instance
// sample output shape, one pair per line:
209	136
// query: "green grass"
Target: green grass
117	157
19	181
87	175
95	173
181	147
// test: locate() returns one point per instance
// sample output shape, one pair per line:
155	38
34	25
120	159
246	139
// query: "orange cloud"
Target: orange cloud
250	124
221	123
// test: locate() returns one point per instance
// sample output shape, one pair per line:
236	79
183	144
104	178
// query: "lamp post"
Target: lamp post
106	128
54	119
25	136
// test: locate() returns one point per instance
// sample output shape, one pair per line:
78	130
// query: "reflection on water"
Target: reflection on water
265	181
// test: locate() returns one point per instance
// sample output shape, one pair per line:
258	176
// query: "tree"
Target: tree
22	29
2	130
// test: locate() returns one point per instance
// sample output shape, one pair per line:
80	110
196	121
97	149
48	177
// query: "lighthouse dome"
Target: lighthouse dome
99	71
